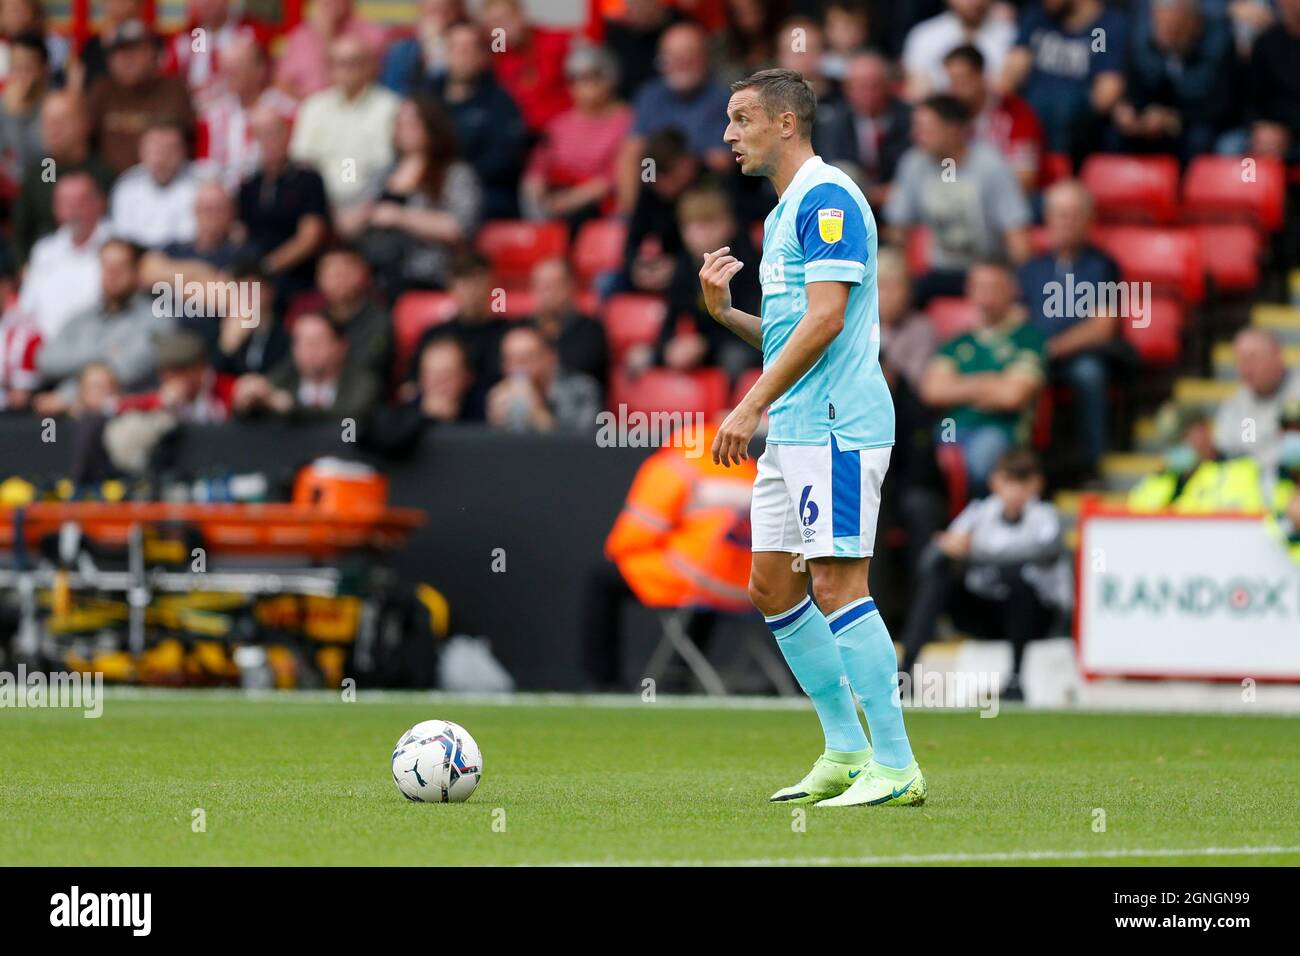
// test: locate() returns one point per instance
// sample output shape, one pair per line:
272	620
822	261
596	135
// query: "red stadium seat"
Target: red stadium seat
516	245
663	390
412	314
599	248
518	303
744	384
951	316
1159	341
1222	189
756	235
1056	166
952	466
1170	259
1132	188
630	319
1231	255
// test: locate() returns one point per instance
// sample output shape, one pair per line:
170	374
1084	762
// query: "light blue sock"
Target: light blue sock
809	648
868	658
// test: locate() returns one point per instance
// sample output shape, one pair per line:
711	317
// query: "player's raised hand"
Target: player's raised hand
715	279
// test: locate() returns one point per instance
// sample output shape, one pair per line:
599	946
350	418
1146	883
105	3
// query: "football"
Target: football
437	761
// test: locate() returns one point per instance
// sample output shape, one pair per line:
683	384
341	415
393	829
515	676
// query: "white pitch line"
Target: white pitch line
1014	856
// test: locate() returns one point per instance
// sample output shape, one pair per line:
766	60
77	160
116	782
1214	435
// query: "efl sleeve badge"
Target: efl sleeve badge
830	224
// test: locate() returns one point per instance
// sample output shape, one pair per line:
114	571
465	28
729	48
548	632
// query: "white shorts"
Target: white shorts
818	501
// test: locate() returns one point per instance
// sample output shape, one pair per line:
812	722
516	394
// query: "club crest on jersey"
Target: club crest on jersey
830	224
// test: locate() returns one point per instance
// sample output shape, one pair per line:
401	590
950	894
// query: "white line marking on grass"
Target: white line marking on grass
1012	856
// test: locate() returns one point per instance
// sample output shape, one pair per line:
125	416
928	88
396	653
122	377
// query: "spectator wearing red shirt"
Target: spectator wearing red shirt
572	172
1007	122
528	62
188	387
200	63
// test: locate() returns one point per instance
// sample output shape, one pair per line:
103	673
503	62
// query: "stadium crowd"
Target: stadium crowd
476	218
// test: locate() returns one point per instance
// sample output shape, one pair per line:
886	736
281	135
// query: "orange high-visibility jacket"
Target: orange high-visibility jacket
683	535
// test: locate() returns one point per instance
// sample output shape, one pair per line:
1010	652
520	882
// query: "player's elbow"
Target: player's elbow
828	324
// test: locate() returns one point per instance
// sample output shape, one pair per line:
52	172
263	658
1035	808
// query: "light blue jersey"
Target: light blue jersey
823	230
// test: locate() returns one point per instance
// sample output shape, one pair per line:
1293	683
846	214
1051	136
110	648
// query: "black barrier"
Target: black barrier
547	500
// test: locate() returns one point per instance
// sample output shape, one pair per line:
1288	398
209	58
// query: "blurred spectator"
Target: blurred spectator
962	191
188	387
348	301
1000	570
490	131
573	171
20	106
634	41
1005	121
446	384
653	239
133	96
411	215
690	338
236	344
882	123
1071	80
907	337
748	40
245	86
196	51
685	96
477	326
346	131
62	277
536	395
965	21
214	250
98	390
1078	345
578	339
303	65
316	382
1286	483
284	208
92	63
986	381
847	28
530	62
1196	479
1273	104
20	344
1247	422
801	48
66	137
1178	91
118	329
413	61
152	204
25	17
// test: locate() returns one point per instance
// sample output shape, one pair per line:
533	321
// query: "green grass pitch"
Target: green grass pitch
306	780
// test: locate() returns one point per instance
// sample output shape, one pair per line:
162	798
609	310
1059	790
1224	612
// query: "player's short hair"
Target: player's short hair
948	108
1019	464
967	53
783	91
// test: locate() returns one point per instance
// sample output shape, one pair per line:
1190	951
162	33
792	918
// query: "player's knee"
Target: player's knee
767	596
831	593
